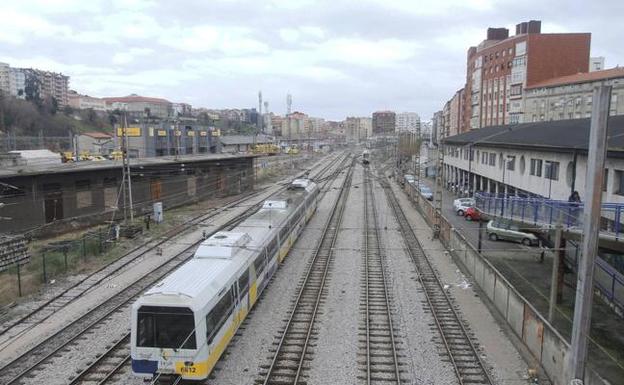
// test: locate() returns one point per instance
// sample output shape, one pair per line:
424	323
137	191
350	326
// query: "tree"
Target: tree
32	89
91	115
68	110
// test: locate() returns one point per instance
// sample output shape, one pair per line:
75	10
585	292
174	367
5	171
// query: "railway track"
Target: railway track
117	358
378	342
87	325
38	315
461	350
291	350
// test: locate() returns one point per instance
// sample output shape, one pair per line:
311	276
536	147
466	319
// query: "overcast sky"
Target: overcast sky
337	58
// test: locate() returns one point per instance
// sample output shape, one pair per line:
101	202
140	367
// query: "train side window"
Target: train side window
218	315
283	232
260	262
272	248
243	283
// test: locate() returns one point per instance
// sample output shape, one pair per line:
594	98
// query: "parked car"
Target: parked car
426	192
460	205
409	178
474	214
506	230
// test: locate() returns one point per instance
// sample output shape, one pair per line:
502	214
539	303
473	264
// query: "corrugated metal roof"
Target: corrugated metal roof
245	139
111	164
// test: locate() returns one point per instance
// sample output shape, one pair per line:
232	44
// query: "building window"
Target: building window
516	90
536	167
511	163
619	180
605	182
492	159
551	170
83	194
484	157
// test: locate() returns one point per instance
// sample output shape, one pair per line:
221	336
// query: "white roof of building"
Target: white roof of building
33	154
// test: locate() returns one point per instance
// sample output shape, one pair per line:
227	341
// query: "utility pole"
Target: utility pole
128	177
176	134
439	191
554	282
123	170
591	226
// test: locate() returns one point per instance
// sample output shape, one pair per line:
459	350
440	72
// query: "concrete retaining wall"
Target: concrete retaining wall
541	339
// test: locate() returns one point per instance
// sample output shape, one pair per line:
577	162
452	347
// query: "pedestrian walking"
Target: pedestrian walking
575	200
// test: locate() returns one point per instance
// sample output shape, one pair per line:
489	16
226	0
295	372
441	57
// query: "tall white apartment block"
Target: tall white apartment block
407	122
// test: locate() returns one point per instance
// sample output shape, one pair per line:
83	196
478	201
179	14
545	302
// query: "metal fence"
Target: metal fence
545	213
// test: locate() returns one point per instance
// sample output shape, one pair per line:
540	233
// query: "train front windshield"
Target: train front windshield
166	327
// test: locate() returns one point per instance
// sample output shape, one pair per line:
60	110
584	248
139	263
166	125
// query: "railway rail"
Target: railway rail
88	324
83	286
378	341
44	311
117	358
462	351
287	364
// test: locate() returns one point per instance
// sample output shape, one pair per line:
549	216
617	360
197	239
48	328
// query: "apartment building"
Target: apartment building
570	97
384	122
138	106
358	130
455	113
85	102
294	126
53	85
17	83
45	84
501	67
4	78
407	122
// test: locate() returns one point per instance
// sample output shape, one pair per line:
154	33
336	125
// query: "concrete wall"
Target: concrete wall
542	340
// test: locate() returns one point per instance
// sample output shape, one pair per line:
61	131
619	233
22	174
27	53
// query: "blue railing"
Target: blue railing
546	212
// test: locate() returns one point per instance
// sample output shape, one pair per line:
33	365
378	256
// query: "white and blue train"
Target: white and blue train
182	325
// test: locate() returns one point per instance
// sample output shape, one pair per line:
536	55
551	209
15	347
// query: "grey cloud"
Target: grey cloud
421	83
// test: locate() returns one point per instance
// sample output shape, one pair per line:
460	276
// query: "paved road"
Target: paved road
470	230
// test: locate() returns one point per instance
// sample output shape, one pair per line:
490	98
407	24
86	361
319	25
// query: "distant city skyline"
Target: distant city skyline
335	64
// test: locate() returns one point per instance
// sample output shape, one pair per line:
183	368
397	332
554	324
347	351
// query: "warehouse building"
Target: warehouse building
72	195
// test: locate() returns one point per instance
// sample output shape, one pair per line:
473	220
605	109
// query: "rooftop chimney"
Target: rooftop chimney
497	33
532	26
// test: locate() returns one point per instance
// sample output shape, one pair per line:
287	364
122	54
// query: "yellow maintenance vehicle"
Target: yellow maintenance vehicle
116	155
270	149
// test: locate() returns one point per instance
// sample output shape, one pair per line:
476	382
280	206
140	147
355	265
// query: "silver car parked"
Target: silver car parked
506	230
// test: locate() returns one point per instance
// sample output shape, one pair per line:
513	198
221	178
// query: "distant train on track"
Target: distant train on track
182	325
365	157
